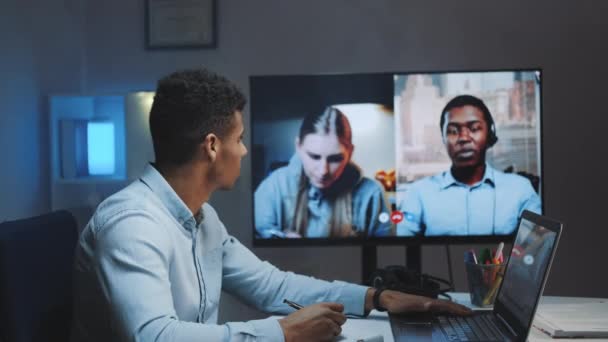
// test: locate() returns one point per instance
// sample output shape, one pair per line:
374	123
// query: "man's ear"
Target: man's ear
211	146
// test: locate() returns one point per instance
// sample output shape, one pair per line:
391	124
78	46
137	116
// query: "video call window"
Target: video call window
394	155
467	151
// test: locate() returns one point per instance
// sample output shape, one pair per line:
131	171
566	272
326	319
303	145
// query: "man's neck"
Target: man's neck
469	175
190	184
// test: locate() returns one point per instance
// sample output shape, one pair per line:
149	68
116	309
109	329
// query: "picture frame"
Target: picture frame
180	24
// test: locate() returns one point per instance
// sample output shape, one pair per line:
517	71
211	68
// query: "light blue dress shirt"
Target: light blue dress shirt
440	205
275	202
146	271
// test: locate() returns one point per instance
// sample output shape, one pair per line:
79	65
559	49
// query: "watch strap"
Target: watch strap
376	300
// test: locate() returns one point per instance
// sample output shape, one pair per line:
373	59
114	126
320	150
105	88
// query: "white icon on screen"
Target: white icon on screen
383	217
528	259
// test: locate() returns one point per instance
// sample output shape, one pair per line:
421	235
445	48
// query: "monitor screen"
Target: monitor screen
395	155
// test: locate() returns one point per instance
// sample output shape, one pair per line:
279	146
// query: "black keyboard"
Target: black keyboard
471	328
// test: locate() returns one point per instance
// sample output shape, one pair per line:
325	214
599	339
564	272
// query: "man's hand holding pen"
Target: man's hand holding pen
317	322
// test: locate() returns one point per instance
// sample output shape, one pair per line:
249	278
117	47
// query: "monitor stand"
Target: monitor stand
369	260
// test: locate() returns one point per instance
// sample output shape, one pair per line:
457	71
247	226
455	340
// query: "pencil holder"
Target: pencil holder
484	281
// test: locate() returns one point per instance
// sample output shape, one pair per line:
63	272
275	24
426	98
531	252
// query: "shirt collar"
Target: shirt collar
169	198
314	194
449	180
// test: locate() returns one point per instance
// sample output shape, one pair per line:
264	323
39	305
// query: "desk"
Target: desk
377	323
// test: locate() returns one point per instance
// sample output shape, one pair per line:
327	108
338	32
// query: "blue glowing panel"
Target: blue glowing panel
100	147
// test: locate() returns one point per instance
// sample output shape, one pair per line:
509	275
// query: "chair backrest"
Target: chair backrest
36	259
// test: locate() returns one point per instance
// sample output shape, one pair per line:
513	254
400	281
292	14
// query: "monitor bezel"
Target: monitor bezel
394	240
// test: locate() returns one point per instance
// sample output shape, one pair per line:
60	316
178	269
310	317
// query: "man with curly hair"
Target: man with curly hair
154	258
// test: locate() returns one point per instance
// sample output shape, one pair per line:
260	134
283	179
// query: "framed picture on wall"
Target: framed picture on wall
171	24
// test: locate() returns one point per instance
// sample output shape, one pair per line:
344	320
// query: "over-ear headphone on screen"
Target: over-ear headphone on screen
464	100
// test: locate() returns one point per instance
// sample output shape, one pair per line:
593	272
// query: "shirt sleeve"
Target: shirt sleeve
133	256
264	286
266	211
532	201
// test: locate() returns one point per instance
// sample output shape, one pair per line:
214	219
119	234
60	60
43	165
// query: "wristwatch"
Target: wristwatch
376	299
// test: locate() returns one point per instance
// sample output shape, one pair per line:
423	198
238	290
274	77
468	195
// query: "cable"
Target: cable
494	207
450	273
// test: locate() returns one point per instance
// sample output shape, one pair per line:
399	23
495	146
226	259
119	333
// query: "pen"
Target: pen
485	257
492	292
299	306
498	258
375	338
473	255
292	304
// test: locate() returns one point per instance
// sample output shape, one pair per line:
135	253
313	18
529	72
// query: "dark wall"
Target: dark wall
41	54
565	39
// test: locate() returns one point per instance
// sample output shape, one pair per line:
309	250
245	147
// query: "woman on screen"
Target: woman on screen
321	192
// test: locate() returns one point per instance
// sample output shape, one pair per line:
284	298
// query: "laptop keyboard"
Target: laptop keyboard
471	328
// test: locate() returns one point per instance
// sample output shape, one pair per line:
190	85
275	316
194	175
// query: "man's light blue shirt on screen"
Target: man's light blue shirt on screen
441	205
147	271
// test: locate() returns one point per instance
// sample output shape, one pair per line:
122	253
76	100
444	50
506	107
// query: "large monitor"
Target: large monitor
395	157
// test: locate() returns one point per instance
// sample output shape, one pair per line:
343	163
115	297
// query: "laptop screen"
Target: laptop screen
525	273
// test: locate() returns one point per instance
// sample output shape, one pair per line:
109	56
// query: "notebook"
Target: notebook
589	319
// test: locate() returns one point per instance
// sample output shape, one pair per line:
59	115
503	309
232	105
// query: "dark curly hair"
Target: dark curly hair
188	106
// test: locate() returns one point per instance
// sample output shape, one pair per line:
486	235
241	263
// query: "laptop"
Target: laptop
511	318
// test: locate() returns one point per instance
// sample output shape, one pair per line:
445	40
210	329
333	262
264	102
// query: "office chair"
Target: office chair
36	257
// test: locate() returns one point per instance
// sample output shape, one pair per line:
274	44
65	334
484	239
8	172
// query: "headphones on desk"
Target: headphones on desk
399	278
464	100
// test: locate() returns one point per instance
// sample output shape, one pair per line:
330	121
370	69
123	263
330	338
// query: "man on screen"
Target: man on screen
471	198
